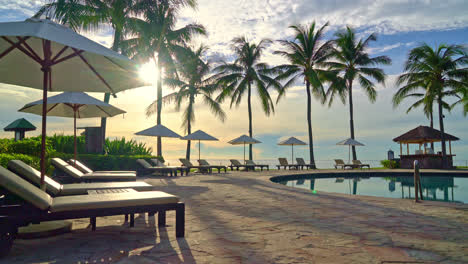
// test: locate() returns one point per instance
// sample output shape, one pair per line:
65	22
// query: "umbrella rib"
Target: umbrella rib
18	46
52	108
76	53
29	48
12	47
95	72
59	53
103	110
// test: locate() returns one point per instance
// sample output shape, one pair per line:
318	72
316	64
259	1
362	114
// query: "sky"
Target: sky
401	25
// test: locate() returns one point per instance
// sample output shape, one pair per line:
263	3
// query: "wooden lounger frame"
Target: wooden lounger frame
20	213
171	170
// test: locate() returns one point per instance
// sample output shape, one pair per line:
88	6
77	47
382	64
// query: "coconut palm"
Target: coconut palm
191	82
443	72
156	38
246	72
305	55
353	62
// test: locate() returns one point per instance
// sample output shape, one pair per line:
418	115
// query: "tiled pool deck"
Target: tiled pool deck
242	217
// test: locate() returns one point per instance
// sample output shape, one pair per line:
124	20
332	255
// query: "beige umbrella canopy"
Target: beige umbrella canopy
291	142
242	140
41	54
199	135
73	104
349	142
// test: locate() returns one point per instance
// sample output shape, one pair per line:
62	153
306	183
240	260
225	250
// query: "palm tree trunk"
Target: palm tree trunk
309	123
115	47
250	120
432	126
189	131
351	115
159	104
442	131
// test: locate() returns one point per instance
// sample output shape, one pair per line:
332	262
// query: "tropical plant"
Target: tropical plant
351	59
442	70
192	81
124	147
91	15
463	93
237	78
156	38
305	55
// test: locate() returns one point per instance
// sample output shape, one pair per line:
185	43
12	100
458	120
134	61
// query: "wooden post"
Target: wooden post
450	147
401	149
417	183
407	148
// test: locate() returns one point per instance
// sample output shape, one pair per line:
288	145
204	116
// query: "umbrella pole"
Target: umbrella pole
244	152
74	135
199	149
292	154
46	85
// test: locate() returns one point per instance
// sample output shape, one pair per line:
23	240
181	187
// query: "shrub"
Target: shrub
123	147
65	144
107	162
29	146
31	160
390	164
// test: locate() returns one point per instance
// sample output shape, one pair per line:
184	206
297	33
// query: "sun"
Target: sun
148	72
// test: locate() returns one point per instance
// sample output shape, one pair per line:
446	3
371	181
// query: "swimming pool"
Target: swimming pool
448	189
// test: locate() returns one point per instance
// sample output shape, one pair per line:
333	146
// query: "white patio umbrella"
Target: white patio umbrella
349	142
244	139
73	104
158	131
41	54
291	142
199	135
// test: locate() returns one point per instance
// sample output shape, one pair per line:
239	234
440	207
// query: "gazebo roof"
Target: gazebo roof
20	125
423	134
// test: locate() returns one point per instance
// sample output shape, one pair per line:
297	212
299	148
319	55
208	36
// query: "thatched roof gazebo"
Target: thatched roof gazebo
421	135
20	126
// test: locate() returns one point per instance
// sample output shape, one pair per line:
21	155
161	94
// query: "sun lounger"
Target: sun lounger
54	188
284	163
236	164
24	203
302	164
340	163
146	168
186	163
252	163
358	164
84	169
218	167
63	169
158	163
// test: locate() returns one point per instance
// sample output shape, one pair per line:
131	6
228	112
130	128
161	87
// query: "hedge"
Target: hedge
390	164
31	160
107	162
28	146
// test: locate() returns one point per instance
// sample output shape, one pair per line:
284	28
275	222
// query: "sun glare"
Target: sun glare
148	72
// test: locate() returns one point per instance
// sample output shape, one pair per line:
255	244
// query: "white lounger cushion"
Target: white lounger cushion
25	190
69	169
75	173
110	200
83	168
34	176
82	188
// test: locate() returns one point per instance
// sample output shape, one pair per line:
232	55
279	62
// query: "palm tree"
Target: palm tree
442	70
243	74
353	62
157	39
305	54
192	81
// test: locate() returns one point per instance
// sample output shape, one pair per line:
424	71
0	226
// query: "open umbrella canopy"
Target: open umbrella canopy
199	135
72	58
41	54
64	105
350	142
158	131
244	139
291	142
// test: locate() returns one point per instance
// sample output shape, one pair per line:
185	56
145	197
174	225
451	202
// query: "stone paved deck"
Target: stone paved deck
242	217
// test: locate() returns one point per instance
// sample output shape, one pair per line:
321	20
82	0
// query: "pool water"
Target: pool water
448	189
